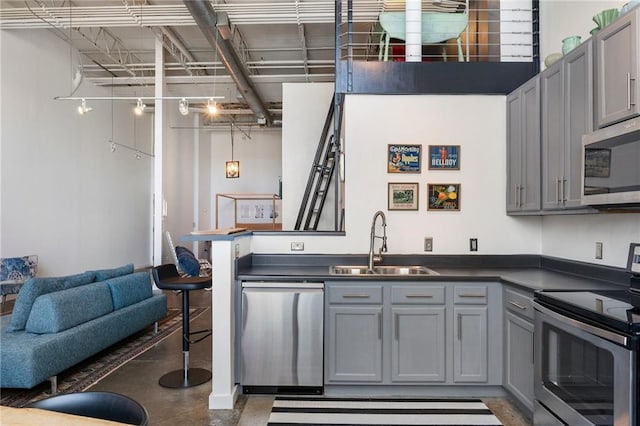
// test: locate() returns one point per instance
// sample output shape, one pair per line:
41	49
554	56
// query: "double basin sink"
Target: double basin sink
381	270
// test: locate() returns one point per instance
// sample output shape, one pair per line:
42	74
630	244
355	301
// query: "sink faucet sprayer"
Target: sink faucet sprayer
383	248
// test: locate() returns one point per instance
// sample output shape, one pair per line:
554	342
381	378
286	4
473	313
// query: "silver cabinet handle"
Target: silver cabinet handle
396	319
521	195
628	90
517	195
422	296
471	295
379	325
459	327
563	185
356	296
557	191
517	305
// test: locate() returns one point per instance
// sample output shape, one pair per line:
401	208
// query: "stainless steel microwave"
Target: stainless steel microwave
611	165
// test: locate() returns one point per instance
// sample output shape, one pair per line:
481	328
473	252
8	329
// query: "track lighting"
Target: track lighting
183	106
212	108
84	108
140	106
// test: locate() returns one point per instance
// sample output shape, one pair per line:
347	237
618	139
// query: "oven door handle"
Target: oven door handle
596	331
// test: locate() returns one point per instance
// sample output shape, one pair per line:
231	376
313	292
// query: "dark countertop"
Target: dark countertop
523	272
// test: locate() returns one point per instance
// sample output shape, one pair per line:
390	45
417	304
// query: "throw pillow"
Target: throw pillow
18	268
79	279
29	292
188	261
105	274
130	289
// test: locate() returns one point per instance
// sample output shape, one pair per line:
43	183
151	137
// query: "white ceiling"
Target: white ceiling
278	41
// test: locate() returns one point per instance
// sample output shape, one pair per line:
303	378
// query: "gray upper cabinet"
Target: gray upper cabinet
617	70
567	114
523	148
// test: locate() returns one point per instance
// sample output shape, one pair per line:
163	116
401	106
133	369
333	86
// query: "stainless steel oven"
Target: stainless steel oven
585	374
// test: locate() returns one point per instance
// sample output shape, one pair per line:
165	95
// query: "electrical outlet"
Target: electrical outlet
598	250
428	244
297	246
473	244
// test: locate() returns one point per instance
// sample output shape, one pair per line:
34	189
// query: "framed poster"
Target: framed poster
597	162
444	157
402	196
403	158
443	196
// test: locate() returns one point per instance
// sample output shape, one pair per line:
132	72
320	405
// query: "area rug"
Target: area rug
373	411
89	372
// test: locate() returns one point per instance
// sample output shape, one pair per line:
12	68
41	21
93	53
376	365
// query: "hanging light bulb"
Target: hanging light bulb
84	108
140	106
212	108
183	106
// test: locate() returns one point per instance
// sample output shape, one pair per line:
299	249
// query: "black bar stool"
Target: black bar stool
167	277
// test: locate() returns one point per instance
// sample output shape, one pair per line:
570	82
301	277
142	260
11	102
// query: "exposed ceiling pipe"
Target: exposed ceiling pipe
205	17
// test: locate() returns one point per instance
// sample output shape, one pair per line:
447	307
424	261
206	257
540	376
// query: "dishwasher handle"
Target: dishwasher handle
298	285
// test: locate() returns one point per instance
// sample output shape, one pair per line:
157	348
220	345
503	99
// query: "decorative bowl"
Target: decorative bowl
605	17
552	59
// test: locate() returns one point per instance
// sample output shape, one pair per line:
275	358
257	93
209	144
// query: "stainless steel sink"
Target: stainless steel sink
393	270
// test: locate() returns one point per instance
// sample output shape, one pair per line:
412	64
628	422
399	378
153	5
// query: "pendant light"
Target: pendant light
232	168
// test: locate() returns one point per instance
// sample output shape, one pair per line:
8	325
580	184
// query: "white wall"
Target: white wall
563	18
65	196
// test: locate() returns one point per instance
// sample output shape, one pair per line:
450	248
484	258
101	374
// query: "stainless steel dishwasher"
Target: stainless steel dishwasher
282	337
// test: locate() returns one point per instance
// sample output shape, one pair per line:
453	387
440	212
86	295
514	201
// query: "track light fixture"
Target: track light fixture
212	107
140	106
183	106
84	108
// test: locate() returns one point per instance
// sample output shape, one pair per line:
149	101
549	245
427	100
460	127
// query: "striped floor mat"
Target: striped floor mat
373	411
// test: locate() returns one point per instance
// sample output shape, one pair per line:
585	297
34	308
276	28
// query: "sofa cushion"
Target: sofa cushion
105	274
188	261
79	279
30	291
129	289
64	309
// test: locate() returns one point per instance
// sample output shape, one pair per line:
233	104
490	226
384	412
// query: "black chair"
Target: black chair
98	405
167	277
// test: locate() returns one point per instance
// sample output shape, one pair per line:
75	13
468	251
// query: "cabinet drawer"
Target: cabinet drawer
418	295
518	303
468	295
356	294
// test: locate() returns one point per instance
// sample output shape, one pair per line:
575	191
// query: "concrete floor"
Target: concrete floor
138	379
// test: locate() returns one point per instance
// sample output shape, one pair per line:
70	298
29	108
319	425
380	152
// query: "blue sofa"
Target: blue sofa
57	322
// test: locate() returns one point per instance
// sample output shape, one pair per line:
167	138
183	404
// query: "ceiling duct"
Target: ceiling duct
205	17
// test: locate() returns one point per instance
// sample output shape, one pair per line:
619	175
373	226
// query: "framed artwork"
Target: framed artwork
403	158
444	157
597	162
403	196
443	196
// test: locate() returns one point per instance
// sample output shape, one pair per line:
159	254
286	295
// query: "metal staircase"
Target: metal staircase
320	176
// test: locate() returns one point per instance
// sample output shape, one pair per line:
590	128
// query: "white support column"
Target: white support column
159	209
196	180
223	387
413	31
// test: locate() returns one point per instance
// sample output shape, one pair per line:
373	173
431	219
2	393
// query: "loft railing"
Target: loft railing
466	46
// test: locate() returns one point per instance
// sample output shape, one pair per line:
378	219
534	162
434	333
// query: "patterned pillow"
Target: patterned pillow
18	268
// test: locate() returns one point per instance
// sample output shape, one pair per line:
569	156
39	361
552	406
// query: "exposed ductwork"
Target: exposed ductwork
205	17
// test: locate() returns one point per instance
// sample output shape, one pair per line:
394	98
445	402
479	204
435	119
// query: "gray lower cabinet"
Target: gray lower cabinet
354	349
412	333
418	346
523	148
617	70
518	346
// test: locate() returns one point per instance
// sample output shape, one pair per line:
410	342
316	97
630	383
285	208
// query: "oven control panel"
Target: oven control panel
633	264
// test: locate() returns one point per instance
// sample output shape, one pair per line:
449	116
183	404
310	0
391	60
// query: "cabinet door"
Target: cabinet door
470	344
553	124
514	149
617	70
418	345
354	344
530	162
518	369
578	117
